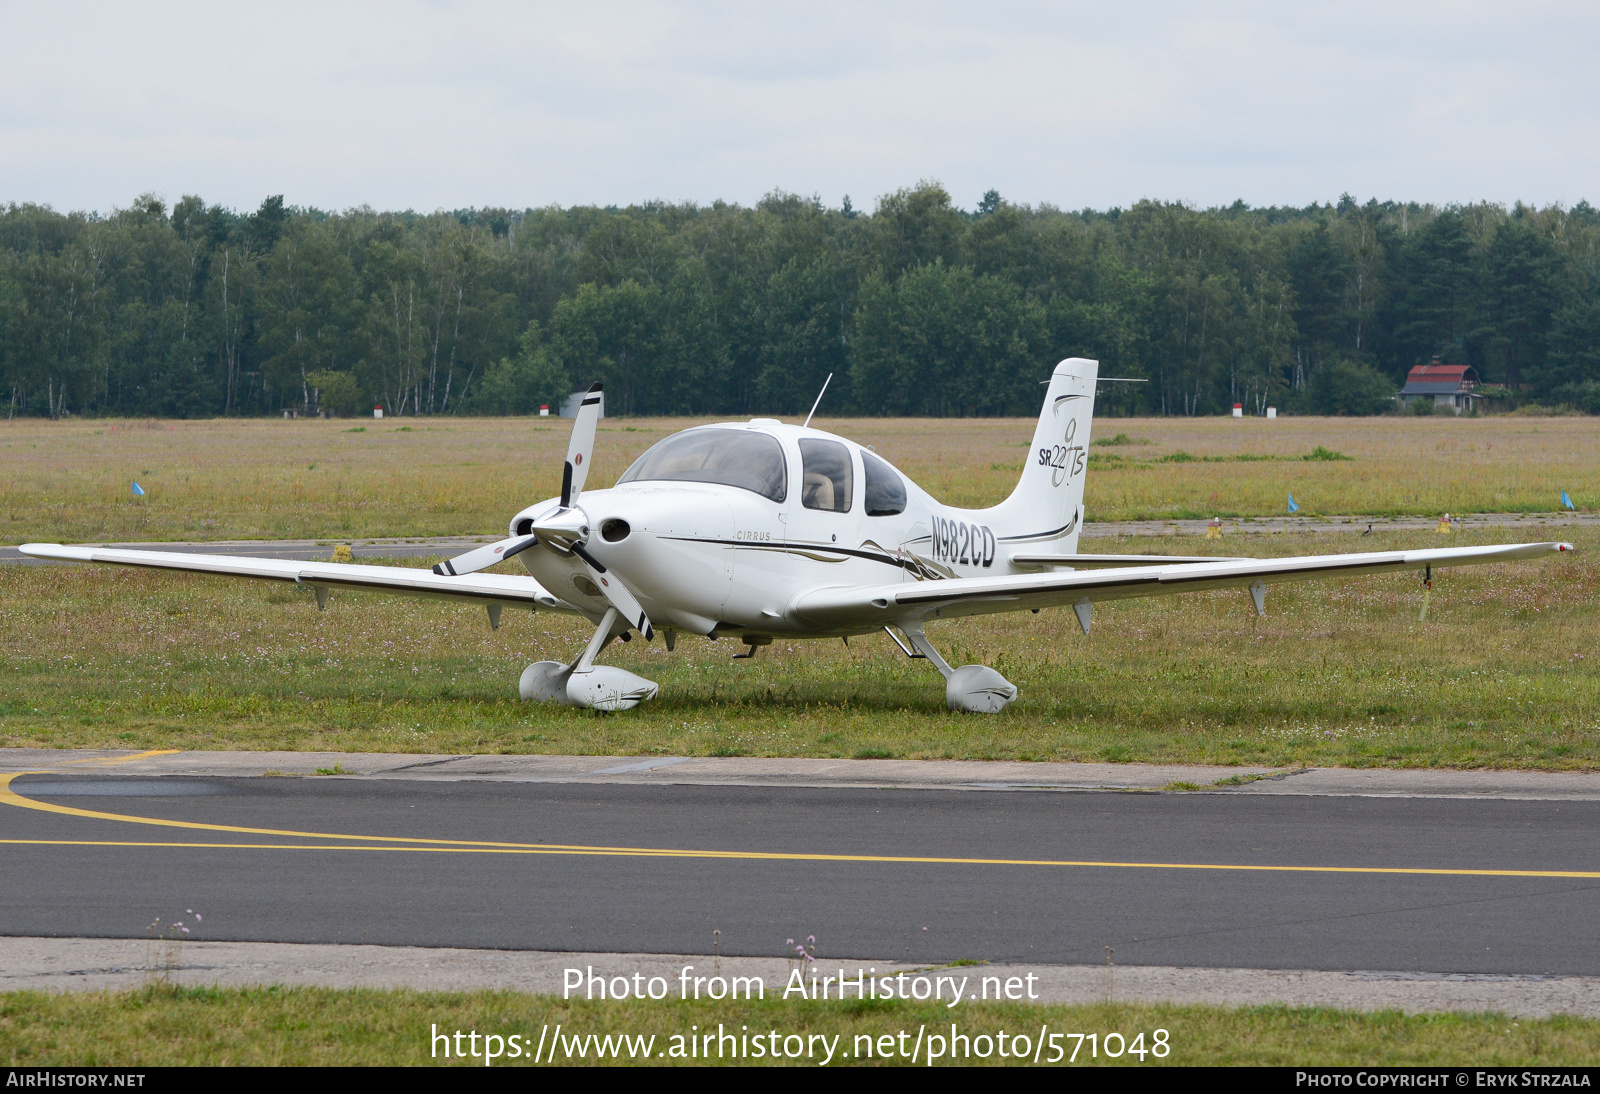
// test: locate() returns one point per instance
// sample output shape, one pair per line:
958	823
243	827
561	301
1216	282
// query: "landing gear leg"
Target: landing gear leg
585	684
925	650
974	688
752	642
602	638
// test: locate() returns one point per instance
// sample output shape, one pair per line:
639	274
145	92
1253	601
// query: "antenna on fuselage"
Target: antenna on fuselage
818	403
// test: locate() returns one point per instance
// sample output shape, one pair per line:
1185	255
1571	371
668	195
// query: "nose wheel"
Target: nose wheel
585	684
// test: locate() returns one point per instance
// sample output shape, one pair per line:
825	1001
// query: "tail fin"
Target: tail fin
1045	511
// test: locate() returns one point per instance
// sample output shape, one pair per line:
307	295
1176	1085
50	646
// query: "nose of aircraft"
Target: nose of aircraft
565	526
617	524
628	528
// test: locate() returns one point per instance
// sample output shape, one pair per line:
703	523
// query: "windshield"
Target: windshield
728	457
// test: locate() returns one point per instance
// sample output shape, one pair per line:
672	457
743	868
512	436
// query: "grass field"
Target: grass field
195	1026
1502	673
70	481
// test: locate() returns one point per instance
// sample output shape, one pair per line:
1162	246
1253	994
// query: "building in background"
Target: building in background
1450	386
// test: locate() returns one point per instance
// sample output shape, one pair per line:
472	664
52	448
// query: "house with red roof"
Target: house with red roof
1447	385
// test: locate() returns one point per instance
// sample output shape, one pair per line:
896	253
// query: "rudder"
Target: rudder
1045	512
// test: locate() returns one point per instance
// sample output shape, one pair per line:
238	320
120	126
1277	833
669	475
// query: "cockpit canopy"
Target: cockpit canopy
728	457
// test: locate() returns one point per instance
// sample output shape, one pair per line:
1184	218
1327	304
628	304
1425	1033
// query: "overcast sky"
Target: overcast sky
444	105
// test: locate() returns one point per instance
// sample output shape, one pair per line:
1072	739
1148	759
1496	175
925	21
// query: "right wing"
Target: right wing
873	606
510	589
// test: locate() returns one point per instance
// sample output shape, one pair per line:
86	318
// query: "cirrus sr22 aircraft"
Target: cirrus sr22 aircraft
759	530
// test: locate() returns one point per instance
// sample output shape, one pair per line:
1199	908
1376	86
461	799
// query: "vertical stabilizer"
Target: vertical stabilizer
1045	512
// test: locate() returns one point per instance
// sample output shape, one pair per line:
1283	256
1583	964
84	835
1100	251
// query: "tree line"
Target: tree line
918	307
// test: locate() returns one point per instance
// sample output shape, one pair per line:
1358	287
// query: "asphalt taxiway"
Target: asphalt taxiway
1450	879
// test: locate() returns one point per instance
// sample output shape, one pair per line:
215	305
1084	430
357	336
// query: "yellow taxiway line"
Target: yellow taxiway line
9	796
105	761
487	847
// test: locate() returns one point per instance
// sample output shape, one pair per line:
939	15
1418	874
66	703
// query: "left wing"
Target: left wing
491	589
877	605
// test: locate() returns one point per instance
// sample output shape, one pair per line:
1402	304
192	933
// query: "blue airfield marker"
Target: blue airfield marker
1567	501
138	491
1293	508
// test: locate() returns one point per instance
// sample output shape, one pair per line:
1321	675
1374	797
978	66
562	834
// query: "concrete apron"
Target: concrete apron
866	774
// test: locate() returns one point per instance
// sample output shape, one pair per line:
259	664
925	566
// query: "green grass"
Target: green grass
1502	674
163	1025
70	481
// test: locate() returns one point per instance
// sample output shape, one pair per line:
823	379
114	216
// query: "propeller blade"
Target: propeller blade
480	558
580	447
620	595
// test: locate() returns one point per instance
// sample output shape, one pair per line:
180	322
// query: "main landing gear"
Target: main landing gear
976	689
584	683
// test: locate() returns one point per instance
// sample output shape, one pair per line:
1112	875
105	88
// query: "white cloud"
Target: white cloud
443	105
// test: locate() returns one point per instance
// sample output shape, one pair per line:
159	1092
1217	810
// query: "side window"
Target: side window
826	477
886	493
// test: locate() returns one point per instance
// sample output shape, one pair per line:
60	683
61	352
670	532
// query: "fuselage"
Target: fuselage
809	510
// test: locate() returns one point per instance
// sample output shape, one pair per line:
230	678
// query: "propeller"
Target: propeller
565	529
561	528
619	594
481	557
580	446
573	475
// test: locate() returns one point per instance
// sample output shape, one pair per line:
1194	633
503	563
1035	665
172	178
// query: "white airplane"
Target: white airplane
759	530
